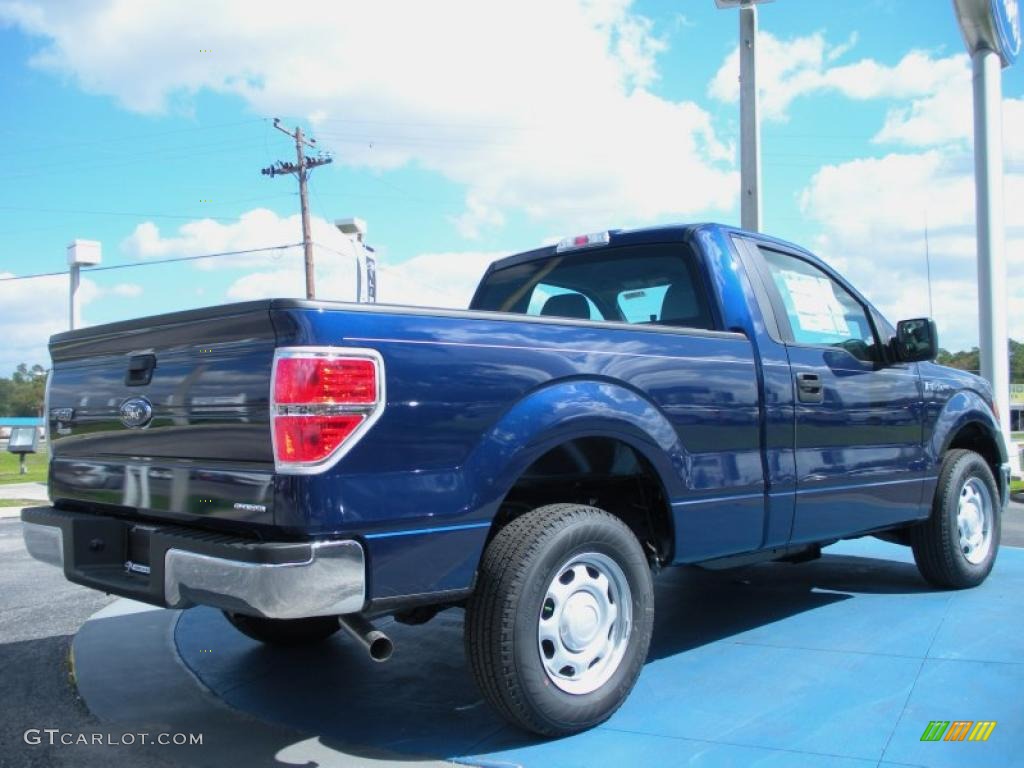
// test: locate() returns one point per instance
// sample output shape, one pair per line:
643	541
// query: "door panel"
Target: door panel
859	456
858	452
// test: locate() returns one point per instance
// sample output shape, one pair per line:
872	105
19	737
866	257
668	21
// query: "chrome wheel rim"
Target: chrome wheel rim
585	622
974	521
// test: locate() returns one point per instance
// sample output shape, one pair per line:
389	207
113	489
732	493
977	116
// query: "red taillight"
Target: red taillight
323	400
308	439
325	380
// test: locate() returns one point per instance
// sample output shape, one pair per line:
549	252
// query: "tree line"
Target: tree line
970	360
22	393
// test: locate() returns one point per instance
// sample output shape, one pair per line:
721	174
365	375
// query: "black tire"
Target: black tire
501	632
284	632
936	541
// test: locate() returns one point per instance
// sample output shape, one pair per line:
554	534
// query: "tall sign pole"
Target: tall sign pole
81	253
992	32
750	125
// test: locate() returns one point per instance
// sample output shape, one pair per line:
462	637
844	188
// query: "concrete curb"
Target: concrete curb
32	490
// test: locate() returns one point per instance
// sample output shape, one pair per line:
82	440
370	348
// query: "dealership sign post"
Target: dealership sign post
992	32
750	125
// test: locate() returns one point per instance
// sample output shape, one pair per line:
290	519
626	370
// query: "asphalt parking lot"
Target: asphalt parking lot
39	615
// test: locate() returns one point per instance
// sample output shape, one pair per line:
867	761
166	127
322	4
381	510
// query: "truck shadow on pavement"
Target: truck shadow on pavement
423	702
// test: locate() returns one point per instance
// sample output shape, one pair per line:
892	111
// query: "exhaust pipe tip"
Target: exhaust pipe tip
381	648
376	643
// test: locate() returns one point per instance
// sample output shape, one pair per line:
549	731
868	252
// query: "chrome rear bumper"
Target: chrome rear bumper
179	568
331	582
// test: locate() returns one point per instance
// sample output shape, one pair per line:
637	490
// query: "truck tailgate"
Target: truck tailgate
166	416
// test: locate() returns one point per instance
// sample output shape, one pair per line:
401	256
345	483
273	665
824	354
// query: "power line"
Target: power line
90	212
151	262
136	214
106	139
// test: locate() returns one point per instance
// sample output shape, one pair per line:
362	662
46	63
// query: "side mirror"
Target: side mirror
916	340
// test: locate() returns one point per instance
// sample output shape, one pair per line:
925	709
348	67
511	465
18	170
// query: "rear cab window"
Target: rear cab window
644	285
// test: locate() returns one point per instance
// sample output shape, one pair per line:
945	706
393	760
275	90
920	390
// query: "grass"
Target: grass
1017	486
21	503
36	463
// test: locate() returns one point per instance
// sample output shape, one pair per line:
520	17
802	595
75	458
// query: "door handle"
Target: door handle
809	388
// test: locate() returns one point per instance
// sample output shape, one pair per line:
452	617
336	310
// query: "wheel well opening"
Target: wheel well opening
974	437
600	472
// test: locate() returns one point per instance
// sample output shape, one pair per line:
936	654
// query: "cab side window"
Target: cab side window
821	311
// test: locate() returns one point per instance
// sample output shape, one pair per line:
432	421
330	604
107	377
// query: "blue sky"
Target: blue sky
467	132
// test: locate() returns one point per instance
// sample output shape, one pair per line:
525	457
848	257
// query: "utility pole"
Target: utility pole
301	169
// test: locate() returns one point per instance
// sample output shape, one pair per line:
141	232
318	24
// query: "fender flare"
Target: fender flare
962	409
569	410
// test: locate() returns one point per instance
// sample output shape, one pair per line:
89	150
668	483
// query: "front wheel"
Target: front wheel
956	547
559	624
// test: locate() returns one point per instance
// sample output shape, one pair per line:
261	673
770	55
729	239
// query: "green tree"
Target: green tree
970	360
23	393
1016	361
965	360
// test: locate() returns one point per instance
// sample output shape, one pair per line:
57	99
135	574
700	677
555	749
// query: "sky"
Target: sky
465	131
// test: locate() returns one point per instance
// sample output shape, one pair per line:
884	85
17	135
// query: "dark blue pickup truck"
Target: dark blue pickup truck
625	401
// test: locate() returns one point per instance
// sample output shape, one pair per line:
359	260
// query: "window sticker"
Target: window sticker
815	304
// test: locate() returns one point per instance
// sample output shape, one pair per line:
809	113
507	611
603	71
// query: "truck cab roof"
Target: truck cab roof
654	234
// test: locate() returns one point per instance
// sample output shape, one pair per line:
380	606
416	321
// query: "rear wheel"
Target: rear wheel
559	624
956	547
284	632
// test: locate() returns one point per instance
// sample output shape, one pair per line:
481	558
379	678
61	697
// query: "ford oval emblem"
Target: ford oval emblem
136	412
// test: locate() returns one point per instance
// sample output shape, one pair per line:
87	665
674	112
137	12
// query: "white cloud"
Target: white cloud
946	118
786	69
435	279
127	290
33	310
917	73
428	280
791	68
563	127
872	214
257	229
431	279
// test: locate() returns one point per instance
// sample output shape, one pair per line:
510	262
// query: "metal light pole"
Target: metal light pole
80	253
988	181
356	229
992	32
750	124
